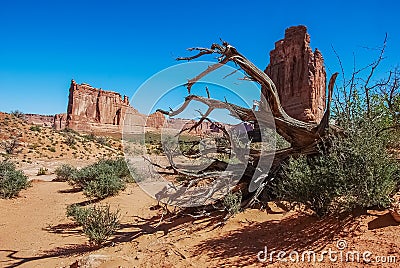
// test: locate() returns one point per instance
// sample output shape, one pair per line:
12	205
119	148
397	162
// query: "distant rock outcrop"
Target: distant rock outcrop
155	120
38	119
299	75
99	111
60	121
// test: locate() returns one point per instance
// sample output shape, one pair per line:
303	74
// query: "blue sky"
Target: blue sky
118	45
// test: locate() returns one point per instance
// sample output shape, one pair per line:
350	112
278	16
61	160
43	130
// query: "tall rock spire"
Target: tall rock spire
299	75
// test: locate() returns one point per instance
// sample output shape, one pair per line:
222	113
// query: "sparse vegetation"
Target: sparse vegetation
11	146
12	181
357	169
70	140
42	171
35	128
232	202
105	178
18	114
103	186
65	172
99	223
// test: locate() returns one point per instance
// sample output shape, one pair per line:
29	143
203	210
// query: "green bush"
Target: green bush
35	128
98	222
70	140
357	171
103	186
65	172
90	137
232	202
119	167
42	171
102	179
12	181
103	141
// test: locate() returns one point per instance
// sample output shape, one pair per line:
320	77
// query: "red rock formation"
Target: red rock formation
155	120
38	119
98	111
60	121
299	75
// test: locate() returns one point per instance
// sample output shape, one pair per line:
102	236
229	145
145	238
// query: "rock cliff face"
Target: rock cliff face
38	119
299	75
155	120
296	70
59	121
98	111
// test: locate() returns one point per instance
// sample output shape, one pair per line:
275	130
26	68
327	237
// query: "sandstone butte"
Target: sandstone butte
298	73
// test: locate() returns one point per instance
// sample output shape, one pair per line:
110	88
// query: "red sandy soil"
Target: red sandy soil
35	232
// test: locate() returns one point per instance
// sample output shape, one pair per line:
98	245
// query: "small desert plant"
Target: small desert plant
65	172
18	114
103	186
11	145
12	181
90	137
35	128
357	171
42	171
103	141
99	223
69	140
69	130
104	178
231	202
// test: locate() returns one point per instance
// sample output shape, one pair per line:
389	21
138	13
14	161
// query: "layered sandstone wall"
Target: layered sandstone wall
299	75
99	111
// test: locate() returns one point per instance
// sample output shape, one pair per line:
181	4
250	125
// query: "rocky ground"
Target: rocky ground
35	232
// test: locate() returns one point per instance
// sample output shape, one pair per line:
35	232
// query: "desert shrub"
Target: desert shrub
232	202
42	171
104	178
69	131
99	223
52	149
119	166
357	169
90	137
102	140
69	140
35	128
356	172
65	172
103	186
11	146
18	114
12	181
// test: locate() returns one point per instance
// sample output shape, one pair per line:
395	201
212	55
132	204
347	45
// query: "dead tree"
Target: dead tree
305	138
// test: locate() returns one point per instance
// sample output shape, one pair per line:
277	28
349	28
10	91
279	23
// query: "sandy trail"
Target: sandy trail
34	232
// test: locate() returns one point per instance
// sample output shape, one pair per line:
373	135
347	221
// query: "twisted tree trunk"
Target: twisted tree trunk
304	137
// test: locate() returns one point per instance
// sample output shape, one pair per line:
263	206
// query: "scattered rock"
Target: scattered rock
90	261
